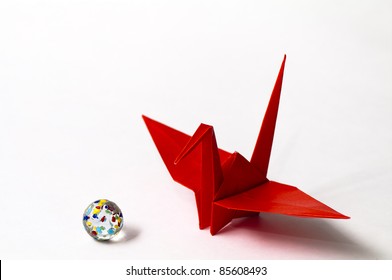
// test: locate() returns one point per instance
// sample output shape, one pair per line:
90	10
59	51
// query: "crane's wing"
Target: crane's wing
274	197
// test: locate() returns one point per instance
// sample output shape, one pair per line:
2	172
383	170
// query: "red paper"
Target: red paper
228	186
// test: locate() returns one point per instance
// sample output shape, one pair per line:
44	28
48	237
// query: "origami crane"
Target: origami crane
228	186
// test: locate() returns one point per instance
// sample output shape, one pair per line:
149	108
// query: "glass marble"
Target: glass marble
103	219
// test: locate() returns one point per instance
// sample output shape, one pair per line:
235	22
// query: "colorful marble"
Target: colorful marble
103	219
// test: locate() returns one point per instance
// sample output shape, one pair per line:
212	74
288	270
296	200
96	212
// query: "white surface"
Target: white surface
75	77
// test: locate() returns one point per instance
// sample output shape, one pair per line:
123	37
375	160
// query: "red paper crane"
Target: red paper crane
228	186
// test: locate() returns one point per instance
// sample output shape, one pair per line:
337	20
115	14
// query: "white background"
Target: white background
75	77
